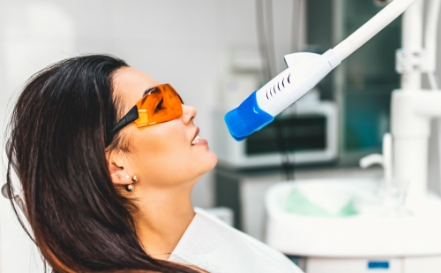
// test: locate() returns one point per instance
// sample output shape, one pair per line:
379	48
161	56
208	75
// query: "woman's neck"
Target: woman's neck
163	218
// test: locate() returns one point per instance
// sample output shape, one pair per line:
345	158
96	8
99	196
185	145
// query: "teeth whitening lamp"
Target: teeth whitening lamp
397	227
304	71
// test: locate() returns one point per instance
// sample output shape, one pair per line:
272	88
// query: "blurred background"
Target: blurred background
215	53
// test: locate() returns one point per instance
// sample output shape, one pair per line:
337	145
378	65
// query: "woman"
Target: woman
107	158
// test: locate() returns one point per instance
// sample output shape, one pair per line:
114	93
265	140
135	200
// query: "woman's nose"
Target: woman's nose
188	113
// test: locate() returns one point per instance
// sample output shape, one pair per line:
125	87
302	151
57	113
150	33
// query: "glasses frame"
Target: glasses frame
133	114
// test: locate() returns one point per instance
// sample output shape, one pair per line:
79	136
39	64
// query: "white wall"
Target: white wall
186	43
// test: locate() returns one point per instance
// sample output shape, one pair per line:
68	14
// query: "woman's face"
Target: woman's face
160	155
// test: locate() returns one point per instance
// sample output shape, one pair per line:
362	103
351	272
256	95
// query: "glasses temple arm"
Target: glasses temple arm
131	116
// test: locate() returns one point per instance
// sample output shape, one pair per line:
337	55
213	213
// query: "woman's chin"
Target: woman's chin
213	159
209	162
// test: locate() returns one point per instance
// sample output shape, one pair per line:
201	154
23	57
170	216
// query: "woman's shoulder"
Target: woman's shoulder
213	245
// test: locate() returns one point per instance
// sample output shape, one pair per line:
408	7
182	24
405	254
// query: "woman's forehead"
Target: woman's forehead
130	84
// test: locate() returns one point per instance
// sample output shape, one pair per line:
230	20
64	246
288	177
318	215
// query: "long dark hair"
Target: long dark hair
58	132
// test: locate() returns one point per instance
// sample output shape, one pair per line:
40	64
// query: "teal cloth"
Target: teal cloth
298	203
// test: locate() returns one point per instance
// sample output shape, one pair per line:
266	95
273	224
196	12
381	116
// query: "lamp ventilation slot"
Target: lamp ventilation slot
278	87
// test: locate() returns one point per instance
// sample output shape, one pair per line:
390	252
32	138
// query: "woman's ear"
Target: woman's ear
117	171
119	175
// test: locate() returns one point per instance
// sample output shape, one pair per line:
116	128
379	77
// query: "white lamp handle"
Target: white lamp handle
371	28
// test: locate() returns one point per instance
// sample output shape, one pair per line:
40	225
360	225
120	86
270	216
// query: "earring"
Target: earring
129	187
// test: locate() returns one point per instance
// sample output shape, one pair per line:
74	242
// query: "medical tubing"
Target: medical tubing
280	142
262	40
371	28
298	23
270	36
430	39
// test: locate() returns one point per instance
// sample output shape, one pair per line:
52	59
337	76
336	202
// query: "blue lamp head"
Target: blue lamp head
247	118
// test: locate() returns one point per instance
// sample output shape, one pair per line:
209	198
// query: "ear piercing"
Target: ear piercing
130	187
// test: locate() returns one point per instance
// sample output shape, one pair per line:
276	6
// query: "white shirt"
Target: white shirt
211	244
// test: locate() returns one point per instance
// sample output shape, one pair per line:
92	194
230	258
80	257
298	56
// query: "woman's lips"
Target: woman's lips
195	137
201	142
197	140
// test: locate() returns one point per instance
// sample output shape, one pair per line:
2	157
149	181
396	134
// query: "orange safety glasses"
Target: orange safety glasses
159	104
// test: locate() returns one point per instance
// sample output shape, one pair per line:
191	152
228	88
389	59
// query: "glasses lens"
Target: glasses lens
159	105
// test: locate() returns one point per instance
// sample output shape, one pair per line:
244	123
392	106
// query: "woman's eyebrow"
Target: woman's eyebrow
148	91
